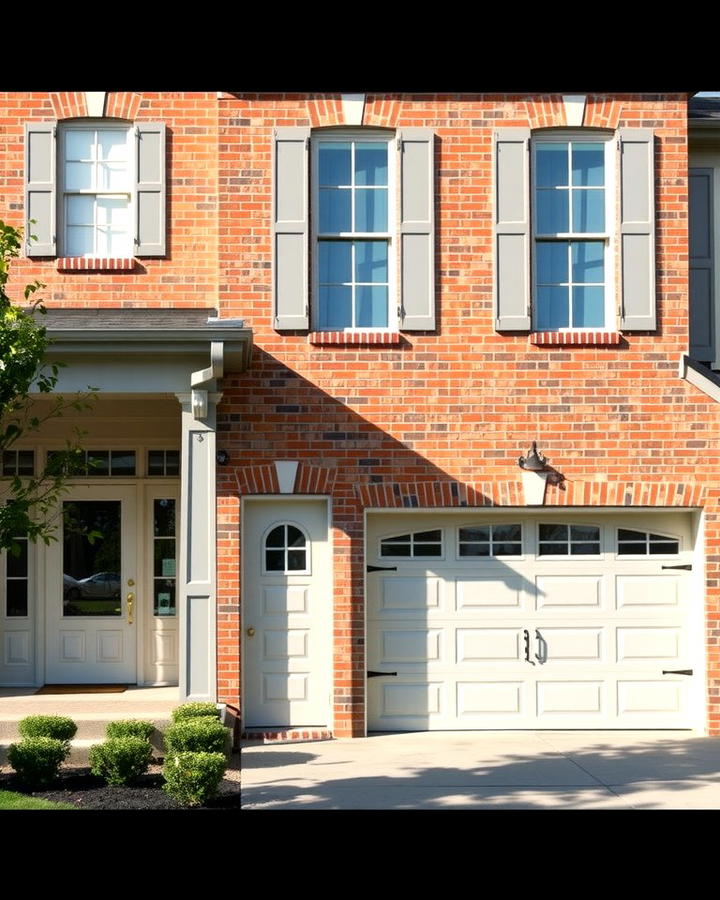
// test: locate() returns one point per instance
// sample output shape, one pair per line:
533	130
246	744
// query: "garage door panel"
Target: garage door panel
486	698
410	595
472	593
412	700
487	645
662	644
412	645
644	592
573	644
570	697
572	592
649	697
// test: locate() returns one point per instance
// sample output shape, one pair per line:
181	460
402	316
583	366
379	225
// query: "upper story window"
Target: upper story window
97	178
353	226
354	236
95	188
573	226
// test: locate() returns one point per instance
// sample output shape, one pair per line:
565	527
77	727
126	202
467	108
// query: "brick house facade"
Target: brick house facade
409	436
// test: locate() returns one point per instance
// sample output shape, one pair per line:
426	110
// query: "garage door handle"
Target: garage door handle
370	568
372	674
677	671
686	566
526	633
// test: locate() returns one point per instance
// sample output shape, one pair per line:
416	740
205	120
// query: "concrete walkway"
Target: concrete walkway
487	770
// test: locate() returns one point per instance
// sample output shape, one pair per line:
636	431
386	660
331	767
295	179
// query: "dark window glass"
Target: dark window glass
296	560
428	550
98	462
507	533
122	462
164	597
668	547
624	534
172	462
550	549
156	462
275	560
17	598
276	538
164	511
478	533
394	549
164	558
475	549
295	537
17	566
632	549
584	533
584	549
507	549
424	536
87	559
553	532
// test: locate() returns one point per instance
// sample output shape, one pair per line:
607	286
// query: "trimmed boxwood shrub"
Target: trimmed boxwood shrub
193	778
195	709
37	759
197	735
120	760
59	727
137	728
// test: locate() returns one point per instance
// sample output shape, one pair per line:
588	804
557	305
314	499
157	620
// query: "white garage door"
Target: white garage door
529	622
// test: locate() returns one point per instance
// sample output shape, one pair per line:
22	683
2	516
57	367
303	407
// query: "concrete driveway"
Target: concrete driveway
487	770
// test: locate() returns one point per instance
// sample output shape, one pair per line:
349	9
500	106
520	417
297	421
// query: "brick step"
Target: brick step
293	735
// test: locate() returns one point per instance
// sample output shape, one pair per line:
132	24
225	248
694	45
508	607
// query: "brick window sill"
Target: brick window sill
575	338
364	338
95	264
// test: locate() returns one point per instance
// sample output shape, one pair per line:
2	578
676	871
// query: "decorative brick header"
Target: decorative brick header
354	337
73	104
575	338
122	104
264	480
97	264
411	494
548	111
325	111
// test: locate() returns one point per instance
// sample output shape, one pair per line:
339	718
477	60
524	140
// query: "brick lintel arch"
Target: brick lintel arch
263	479
118	104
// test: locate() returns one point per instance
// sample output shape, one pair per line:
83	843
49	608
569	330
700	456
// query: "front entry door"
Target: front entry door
286	614
91	589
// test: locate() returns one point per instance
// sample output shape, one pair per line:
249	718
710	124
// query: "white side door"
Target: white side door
287	613
91	589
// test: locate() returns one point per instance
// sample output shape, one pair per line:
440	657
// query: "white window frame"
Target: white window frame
391	236
412	542
64	193
491	542
609	237
570	556
307	548
646	556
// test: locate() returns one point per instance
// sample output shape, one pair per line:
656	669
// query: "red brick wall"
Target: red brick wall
463	403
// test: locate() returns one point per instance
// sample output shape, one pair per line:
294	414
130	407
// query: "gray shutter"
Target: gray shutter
417	229
512	229
150	189
702	274
290	228
637	229
40	188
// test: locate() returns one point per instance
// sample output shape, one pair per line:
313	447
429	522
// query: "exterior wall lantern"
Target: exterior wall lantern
534	476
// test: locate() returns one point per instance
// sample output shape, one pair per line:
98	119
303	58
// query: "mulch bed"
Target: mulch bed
86	791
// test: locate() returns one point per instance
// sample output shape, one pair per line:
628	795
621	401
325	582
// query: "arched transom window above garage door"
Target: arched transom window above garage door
643	543
490	540
286	550
416	544
566	539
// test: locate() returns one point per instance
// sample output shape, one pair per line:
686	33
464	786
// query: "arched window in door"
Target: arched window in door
286	550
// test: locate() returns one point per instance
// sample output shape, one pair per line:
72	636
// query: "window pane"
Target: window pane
553	550
17	566
164	516
335	211
507	549
334	163
113	177
553	532
297	560
26	462
588	164
276	538
371	210
584	533
86	592
172	462
275	560
625	534
371	306
164	599
80	241
113	212
335	307
428	550
9	462
371	261
552	212
551	162
112	145
427	535
394	549
98	462
584	549
156	462
79	144
474	549
476	533
79	176
507	533
552	263
80	210
660	537
164	558
335	262
17	598
588	262
122	462
553	309
588	211
295	537
371	163
588	307
632	549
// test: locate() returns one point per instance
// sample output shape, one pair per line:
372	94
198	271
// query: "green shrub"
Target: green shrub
120	760
197	735
37	759
130	728
193	778
59	727
195	709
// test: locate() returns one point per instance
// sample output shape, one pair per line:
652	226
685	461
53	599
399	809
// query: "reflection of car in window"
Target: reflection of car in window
100	585
71	591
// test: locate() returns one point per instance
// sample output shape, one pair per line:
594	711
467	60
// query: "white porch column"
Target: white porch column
196	580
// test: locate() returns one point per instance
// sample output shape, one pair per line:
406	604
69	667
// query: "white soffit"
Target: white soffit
574	109
95	103
286	472
353	106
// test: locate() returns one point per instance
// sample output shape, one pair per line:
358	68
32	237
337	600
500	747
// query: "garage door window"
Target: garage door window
568	540
415	545
490	540
286	550
642	543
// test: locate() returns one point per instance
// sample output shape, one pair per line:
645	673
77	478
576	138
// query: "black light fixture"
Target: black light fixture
534	461
222	457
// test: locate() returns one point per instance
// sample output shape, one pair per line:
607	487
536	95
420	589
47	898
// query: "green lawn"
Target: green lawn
12	800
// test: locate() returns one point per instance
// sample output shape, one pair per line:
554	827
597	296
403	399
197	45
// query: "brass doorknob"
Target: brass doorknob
250	631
